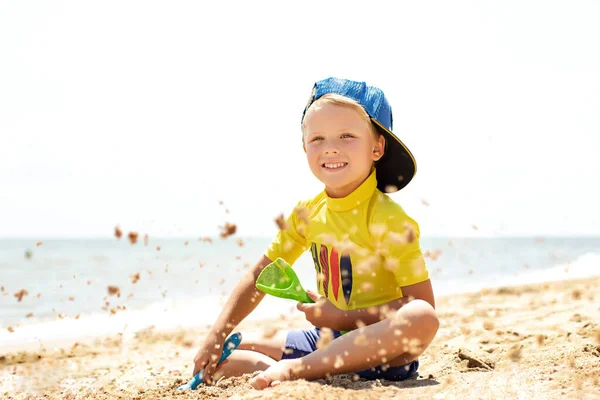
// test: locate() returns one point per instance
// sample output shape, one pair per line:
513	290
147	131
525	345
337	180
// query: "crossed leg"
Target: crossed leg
393	341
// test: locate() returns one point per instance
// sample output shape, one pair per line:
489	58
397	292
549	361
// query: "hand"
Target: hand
208	356
322	314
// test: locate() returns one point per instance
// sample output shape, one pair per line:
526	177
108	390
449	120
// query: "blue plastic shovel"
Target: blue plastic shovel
229	346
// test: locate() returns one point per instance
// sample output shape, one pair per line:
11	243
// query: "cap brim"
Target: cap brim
397	167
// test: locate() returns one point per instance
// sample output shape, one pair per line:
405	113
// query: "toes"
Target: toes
259	382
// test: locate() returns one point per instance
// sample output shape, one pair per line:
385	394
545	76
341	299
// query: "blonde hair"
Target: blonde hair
343	101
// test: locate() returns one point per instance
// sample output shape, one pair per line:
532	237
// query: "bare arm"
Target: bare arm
242	301
348	319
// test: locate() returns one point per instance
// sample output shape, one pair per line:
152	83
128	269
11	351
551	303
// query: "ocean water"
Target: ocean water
183	282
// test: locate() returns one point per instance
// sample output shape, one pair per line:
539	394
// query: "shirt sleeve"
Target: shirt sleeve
401	249
290	242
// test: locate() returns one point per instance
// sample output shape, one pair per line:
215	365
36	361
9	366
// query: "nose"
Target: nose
330	149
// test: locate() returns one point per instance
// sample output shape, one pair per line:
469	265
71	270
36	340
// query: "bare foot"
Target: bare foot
284	370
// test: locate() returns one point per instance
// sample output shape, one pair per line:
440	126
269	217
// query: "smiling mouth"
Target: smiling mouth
334	166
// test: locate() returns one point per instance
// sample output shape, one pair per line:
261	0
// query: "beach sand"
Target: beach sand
537	341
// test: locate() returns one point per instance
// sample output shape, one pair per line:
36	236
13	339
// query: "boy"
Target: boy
371	275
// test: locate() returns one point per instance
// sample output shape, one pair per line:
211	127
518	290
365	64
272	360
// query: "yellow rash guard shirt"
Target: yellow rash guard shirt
364	246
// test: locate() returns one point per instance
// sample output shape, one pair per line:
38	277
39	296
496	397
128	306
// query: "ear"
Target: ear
379	148
304	146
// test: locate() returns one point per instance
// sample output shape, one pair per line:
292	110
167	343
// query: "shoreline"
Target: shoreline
135	319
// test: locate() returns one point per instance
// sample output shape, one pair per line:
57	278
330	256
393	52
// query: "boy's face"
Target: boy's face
340	147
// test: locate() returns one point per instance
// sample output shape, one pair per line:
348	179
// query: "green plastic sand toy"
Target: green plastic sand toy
279	279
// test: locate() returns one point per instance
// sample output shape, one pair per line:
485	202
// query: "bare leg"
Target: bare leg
255	353
403	337
272	347
242	362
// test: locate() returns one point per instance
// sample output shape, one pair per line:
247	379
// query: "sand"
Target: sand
532	342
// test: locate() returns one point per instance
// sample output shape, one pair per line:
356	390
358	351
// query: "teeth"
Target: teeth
336	165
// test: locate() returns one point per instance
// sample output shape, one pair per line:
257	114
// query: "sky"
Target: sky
148	114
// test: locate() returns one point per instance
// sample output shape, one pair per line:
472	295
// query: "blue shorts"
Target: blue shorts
304	341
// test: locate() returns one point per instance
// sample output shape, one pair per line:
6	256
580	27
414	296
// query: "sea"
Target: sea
63	289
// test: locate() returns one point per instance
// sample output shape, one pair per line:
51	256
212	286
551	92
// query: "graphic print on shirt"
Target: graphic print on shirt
325	269
315	257
334	262
334	269
346	272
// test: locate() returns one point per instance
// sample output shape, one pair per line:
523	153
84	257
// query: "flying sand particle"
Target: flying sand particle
432	255
303	218
366	287
539	339
280	221
114	290
228	230
361	340
268	333
325	338
410	235
133	237
135	277
514	353
19	295
339	362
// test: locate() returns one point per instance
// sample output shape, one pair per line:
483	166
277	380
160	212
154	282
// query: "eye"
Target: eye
347	135
316	138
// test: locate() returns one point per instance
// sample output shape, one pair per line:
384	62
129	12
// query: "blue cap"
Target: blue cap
397	167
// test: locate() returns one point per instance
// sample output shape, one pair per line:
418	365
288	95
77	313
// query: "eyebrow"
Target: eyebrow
340	131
